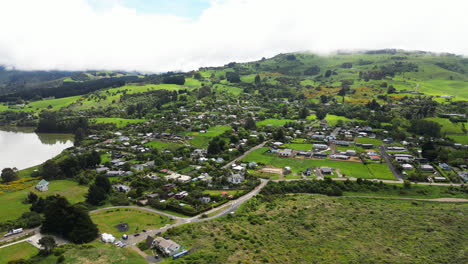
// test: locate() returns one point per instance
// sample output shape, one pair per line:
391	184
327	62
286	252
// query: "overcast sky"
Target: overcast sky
168	35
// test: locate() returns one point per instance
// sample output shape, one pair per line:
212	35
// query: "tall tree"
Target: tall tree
51	170
9	174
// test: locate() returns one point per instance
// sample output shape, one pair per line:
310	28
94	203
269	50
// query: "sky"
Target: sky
181	35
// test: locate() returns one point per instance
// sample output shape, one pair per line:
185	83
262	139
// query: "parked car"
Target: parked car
136	235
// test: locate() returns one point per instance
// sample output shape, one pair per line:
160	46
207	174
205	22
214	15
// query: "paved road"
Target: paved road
16	236
390	165
245	154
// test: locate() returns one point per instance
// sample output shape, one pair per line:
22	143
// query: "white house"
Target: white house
167	246
236	179
42	186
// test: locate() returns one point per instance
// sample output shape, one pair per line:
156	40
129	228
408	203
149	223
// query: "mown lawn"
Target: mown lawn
119	122
463	139
21	250
219	192
297	146
317	229
136	219
211	132
366	140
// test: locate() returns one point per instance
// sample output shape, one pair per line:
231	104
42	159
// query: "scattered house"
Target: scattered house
439	178
351	152
367	146
320	155
118	173
166	246
427	167
205	199
101	169
375	157
181	195
285	153
304	153
338	156
168	187
396	149
317	137
178	177
235	178
342	143
445	166
407	166
138	167
121	188
42	186
237	167
388	141
252	165
277	144
107	238
326	170
308	172
319	146
464	175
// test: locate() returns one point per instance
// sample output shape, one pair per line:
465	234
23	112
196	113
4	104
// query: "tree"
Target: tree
320	114
48	244
303	113
391	89
9	174
250	124
429	151
328	73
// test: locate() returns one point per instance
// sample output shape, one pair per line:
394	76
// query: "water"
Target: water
22	148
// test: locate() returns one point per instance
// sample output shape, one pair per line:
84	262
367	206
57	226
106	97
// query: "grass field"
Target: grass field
12	207
137	220
365	140
163	145
463	139
350	169
119	122
332	120
318	229
274	122
447	126
21	250
97	253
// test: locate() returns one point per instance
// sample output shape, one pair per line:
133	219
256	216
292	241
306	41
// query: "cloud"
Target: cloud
73	35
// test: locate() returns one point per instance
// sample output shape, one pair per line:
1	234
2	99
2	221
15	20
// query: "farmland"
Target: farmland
350	169
331	230
12	206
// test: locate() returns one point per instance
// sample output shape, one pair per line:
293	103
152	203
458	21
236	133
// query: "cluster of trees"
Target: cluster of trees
174	79
69	221
55	122
69	89
233	77
425	128
70	166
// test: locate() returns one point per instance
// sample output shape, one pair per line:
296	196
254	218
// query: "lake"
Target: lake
23	148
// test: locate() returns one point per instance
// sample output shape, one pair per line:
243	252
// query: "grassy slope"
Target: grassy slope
22	250
12	207
318	229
